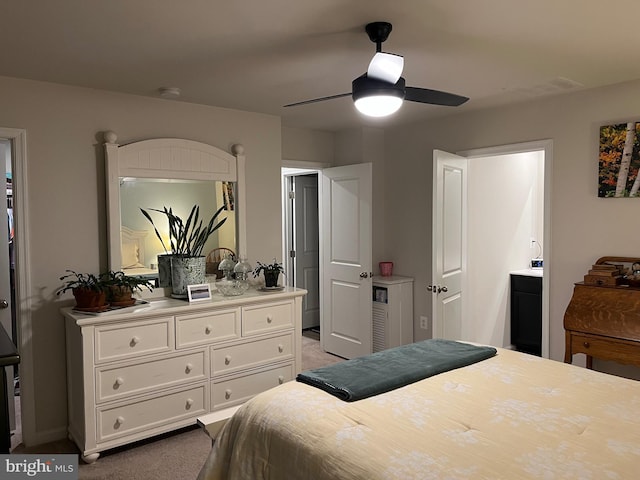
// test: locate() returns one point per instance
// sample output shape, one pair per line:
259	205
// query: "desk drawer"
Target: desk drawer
118	381
128	419
235	357
623	351
198	329
267	318
239	389
119	341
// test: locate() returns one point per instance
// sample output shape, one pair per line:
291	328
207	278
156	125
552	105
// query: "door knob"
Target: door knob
4	303
436	289
364	275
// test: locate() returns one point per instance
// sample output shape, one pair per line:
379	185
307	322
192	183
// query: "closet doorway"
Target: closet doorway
301	239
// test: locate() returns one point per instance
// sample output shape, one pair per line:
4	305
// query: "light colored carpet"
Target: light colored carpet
174	456
312	355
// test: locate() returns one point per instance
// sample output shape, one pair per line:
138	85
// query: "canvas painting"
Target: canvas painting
619	160
227	195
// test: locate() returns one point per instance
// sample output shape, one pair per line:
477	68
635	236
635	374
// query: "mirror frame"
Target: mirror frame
171	158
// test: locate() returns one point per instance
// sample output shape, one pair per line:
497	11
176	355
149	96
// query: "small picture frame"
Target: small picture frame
199	292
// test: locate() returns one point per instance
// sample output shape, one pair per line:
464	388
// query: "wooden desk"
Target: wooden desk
603	322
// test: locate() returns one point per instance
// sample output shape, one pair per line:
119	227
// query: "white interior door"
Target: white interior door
449	245
346	325
306	246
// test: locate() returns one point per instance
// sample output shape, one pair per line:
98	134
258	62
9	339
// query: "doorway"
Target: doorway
13	277
344	238
509	225
301	240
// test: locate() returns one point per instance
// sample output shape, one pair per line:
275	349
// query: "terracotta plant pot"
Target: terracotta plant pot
120	296
89	299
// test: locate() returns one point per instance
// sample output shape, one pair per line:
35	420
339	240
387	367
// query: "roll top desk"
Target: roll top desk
603	321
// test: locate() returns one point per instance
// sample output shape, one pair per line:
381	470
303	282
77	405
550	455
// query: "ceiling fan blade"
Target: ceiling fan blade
386	67
434	97
321	99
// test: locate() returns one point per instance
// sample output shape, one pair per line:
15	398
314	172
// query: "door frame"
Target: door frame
18	138
293	241
523	147
291	168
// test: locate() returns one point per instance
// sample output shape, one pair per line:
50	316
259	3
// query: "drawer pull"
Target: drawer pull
280	348
208	329
134	341
585	344
119	421
280	379
227	360
269	318
119	381
189	368
189	403
227	394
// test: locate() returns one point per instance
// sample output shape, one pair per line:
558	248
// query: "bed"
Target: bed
133	258
511	416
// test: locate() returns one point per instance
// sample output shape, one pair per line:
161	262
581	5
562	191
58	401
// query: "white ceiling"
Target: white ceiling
258	55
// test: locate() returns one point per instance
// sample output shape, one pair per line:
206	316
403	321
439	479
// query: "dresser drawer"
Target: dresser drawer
119	341
199	329
229	392
130	418
118	381
264	319
231	358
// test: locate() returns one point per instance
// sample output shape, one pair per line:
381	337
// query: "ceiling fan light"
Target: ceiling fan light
386	66
378	105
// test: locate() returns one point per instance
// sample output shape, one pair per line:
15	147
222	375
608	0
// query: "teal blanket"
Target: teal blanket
381	372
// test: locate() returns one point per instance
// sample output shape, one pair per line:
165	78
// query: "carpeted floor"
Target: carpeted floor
312	354
174	456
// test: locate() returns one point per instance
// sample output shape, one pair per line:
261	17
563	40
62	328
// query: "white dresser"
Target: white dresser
143	371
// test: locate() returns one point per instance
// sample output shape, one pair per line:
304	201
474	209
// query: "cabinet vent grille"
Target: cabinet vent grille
379	313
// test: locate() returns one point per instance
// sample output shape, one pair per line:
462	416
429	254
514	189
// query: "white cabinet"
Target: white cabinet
142	371
392	312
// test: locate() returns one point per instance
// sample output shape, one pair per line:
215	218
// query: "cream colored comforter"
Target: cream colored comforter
513	416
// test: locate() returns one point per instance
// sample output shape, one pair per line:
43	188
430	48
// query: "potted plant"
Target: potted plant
187	238
88	289
120	287
271	272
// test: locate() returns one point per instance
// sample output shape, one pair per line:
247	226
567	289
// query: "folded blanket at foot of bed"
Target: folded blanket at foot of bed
381	372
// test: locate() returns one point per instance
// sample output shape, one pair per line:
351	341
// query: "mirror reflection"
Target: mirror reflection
140	245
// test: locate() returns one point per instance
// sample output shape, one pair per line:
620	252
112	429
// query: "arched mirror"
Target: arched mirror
176	174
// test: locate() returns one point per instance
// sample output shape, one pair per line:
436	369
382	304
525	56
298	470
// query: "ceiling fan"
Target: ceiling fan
381	90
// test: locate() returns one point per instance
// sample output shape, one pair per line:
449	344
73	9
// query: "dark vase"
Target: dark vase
271	278
164	270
